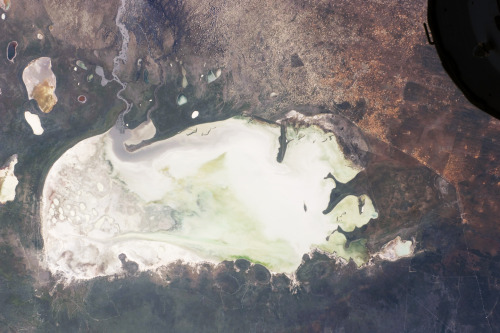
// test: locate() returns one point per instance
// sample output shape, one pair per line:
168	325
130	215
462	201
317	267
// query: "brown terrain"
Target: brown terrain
370	61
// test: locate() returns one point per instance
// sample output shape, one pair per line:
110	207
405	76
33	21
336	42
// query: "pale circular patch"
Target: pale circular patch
195	114
181	100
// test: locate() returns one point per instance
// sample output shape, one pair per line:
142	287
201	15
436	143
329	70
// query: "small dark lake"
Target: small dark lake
11	50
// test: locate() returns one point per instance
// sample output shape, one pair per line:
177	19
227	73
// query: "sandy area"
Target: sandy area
144	131
40	83
396	249
8	181
34	122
